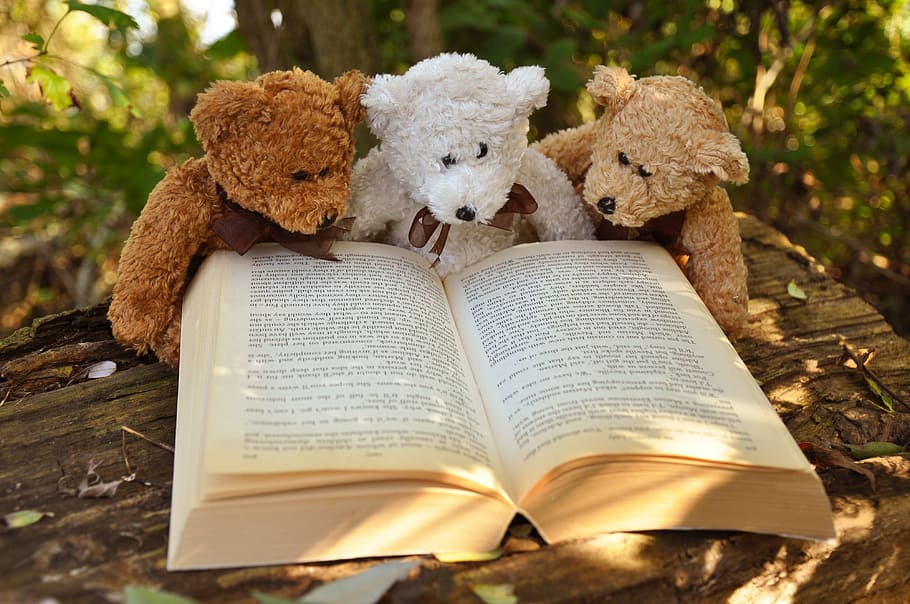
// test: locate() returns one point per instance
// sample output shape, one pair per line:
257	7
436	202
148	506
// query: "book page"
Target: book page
598	348
351	365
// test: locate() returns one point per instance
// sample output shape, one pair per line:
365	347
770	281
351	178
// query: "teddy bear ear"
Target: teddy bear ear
381	101
611	87
226	106
720	154
349	87
529	87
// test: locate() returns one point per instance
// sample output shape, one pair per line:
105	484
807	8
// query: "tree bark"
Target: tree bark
328	38
422	20
53	422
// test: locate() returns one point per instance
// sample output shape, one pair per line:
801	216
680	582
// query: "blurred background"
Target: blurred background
94	99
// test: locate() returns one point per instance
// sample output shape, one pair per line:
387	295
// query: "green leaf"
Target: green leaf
108	16
118	96
501	593
887	401
874	449
55	88
36	40
796	291
24	518
267	599
469	556
4	92
227	47
134	594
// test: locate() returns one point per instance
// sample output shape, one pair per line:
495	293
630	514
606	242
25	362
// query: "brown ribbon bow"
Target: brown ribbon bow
520	201
241	229
664	230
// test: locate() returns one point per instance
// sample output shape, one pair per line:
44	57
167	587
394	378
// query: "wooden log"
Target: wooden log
55	424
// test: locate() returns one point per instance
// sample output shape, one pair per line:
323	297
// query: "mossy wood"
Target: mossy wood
54	422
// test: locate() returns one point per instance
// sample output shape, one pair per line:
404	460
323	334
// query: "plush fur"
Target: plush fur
662	145
258	137
453	132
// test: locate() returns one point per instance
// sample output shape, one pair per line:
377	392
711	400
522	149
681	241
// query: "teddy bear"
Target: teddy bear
453	164
276	166
651	165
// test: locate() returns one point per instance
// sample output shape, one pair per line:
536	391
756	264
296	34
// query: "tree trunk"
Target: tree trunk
328	38
422	19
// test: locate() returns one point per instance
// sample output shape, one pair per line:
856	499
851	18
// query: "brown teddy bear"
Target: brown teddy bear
277	166
651	166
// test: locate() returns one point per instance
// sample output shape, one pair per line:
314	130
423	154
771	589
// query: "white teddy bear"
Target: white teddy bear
453	163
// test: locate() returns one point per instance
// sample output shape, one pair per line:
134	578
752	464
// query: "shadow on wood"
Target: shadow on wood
54	422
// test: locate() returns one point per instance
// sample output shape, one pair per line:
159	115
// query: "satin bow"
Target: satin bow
664	230
520	201
241	229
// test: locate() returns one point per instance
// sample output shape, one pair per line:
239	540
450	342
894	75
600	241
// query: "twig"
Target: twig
157	443
126	459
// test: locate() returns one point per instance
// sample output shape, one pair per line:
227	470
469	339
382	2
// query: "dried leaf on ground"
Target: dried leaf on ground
365	587
92	486
502	593
469	556
826	457
101	369
134	594
24	518
874	448
796	291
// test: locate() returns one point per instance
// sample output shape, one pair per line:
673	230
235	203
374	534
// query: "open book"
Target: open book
331	410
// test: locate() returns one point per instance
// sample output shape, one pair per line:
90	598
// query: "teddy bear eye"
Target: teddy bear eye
301	175
449	160
624	159
323	173
483	150
643	172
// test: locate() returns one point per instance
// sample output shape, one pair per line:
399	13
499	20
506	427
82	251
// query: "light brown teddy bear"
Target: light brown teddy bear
651	166
277	166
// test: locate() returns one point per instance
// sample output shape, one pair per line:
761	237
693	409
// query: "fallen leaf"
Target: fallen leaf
827	457
93	487
134	594
24	518
365	587
502	593
101	369
267	599
796	291
99	490
469	556
874	448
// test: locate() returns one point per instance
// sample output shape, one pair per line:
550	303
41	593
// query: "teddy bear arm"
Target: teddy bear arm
145	310
377	199
560	214
570	149
715	266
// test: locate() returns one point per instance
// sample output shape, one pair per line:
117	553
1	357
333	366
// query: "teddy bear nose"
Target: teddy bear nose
466	213
606	205
327	221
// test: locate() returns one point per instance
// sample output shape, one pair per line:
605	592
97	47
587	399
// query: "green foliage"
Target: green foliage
86	136
814	91
817	92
